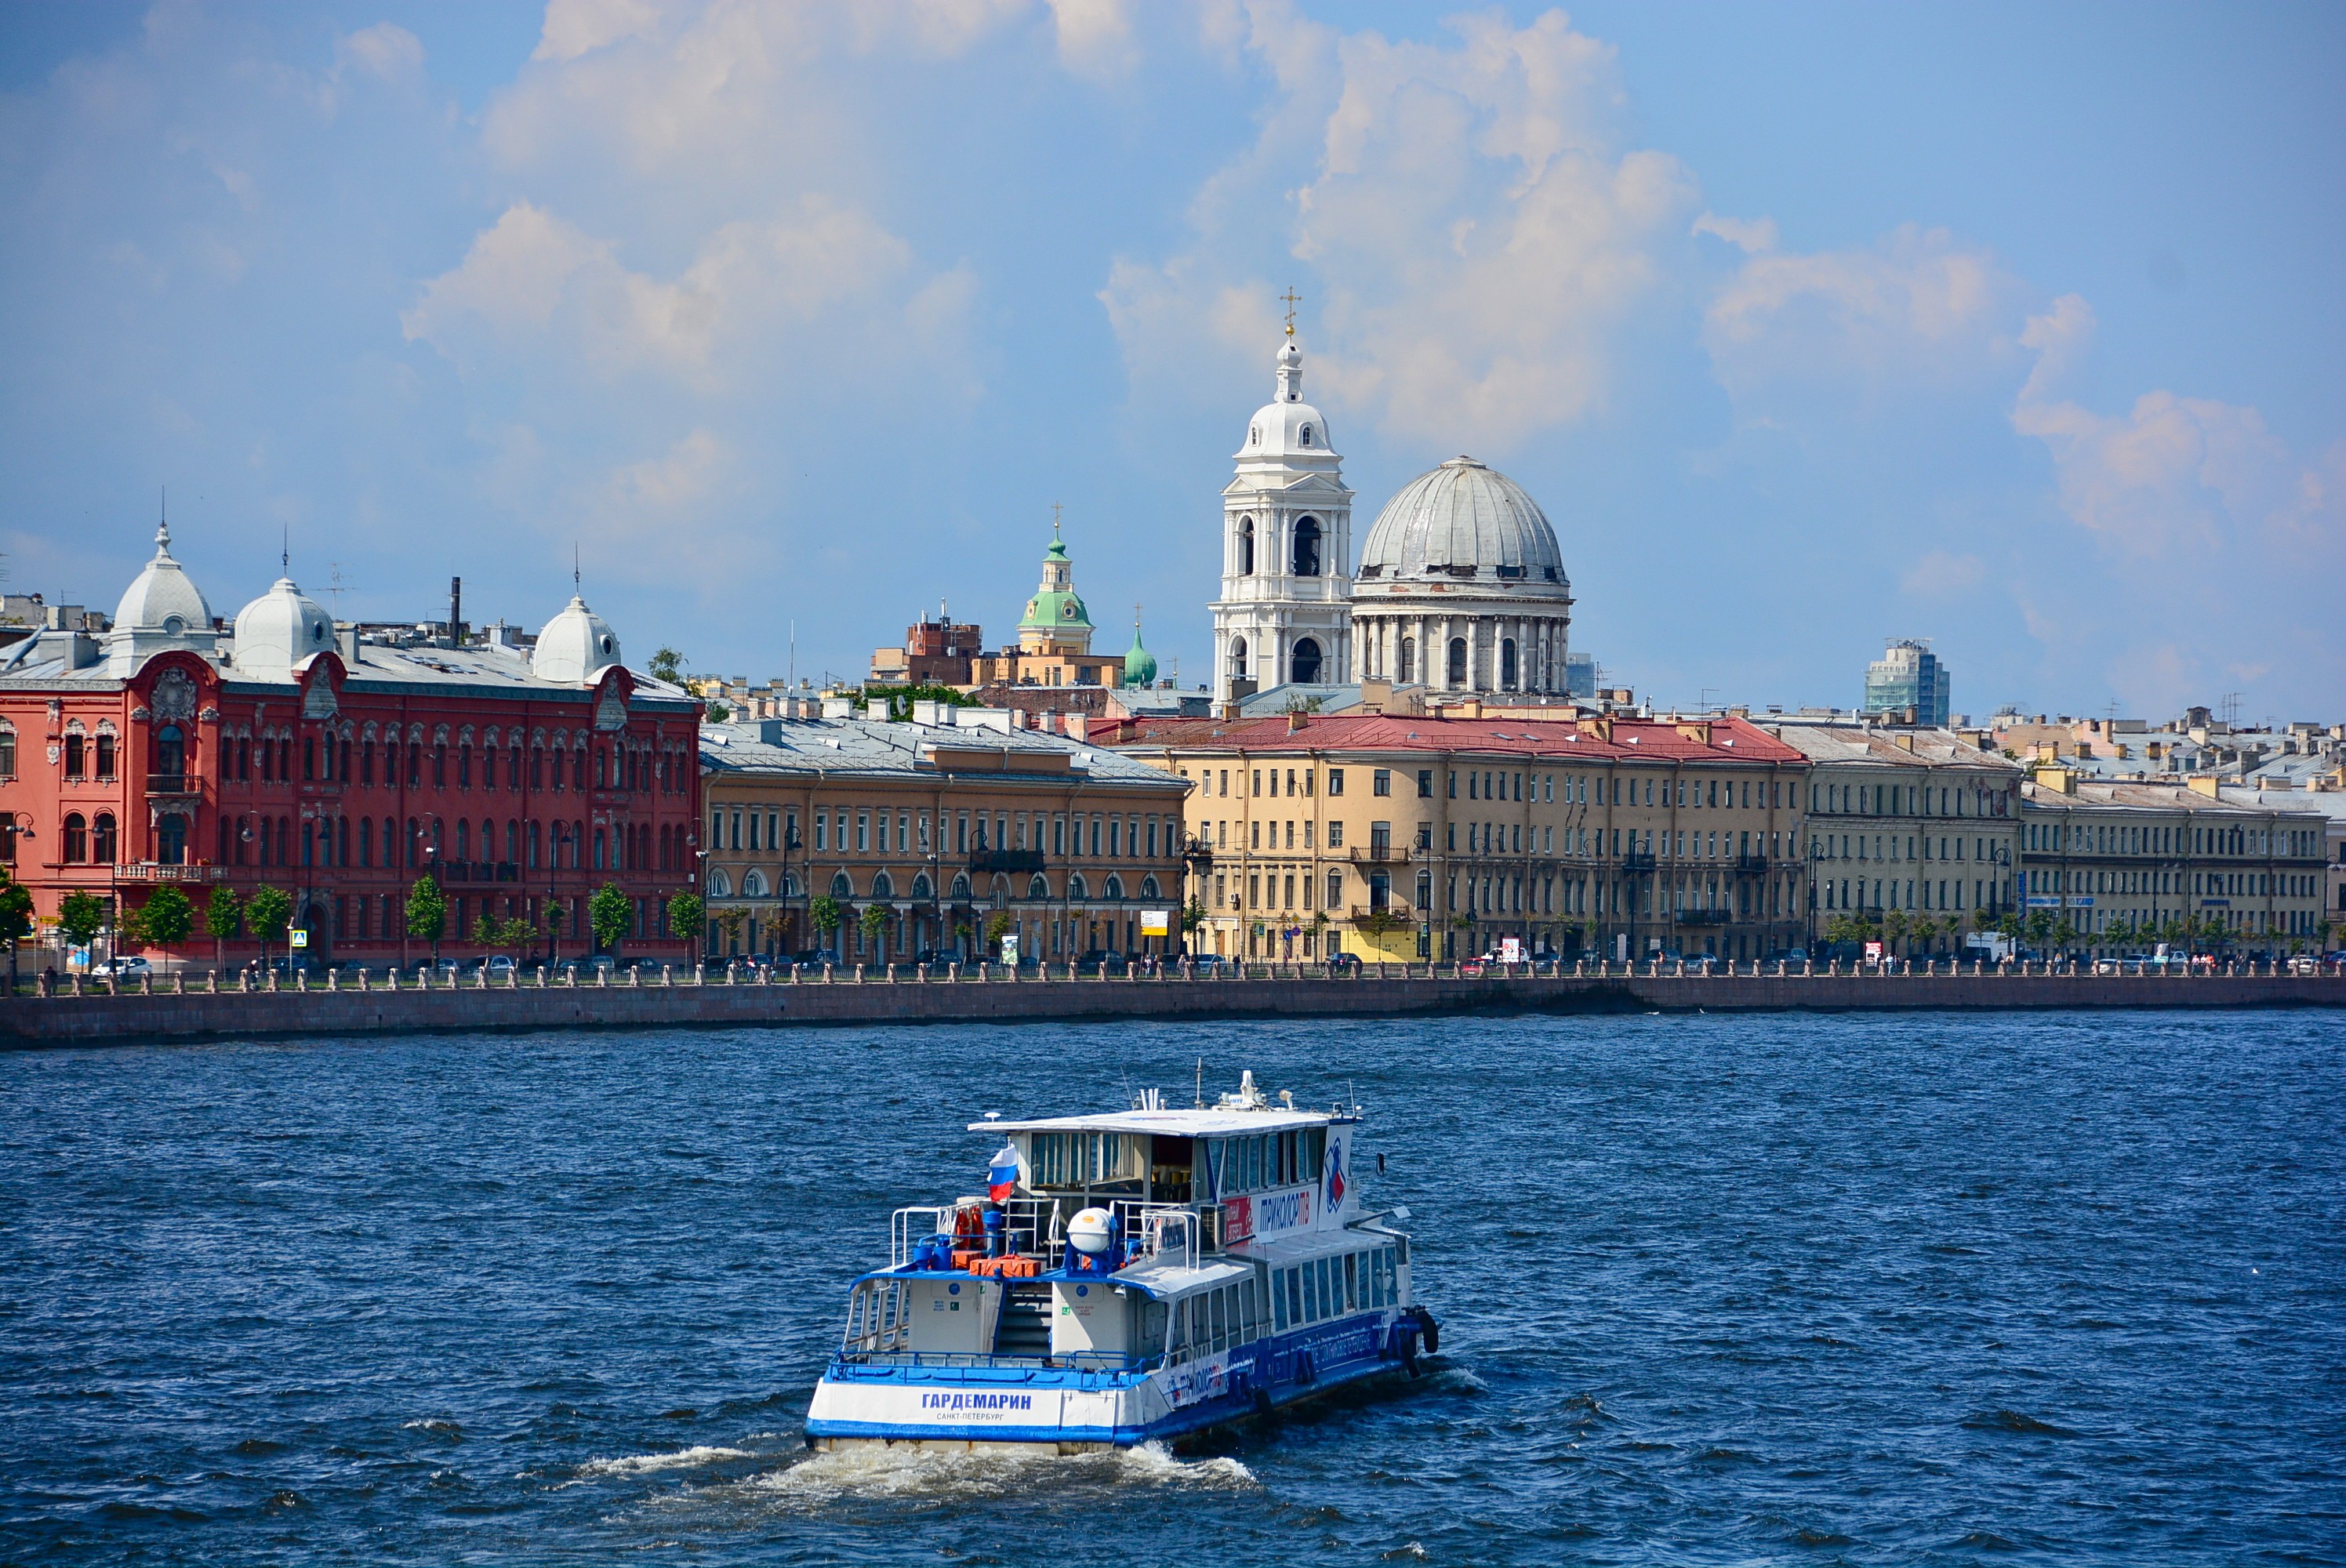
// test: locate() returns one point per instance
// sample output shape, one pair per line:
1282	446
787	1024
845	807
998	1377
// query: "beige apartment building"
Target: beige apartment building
944	826
1398	837
2124	863
1908	818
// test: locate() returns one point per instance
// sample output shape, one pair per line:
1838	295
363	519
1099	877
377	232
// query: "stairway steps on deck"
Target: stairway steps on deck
1025	1326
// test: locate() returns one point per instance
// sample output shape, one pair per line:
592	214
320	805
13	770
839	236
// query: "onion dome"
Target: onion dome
574	646
1139	664
162	597
1464	519
279	630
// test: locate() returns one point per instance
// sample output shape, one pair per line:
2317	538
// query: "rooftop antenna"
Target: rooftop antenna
575	580
285	552
337	585
1290	296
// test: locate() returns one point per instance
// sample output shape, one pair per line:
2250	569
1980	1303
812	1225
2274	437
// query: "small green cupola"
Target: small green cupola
1139	664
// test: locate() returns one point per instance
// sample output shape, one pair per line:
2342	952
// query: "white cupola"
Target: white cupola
574	645
278	631
162	609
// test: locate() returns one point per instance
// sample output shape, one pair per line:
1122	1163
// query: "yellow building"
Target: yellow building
1400	837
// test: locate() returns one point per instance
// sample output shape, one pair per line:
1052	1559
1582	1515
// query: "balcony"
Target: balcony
170	785
1397	915
1381	855
1637	860
1006	861
1752	863
150	871
1198	851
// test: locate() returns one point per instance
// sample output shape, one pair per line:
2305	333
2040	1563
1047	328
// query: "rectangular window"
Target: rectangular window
1288	1300
1115	837
1310	1273
1335	781
863	832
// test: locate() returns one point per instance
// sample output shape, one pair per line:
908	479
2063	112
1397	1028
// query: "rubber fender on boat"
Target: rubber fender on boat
1430	1329
1262	1401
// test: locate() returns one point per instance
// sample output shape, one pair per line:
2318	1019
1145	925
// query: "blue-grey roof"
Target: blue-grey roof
835	747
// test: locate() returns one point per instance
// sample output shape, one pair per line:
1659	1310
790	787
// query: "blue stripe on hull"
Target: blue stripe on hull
1280	1351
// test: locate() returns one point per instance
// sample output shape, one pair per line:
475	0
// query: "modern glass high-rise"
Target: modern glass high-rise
1908	674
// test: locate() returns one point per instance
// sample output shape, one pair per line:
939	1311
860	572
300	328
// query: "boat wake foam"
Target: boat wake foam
886	1472
644	1464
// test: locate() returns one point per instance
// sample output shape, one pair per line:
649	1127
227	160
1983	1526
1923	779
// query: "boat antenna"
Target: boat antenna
1201	1082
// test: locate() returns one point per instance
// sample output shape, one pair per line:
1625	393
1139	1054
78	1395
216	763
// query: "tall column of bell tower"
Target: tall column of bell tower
1284	615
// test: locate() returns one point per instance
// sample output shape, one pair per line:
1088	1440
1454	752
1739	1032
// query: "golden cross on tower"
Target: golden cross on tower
1290	296
1054	519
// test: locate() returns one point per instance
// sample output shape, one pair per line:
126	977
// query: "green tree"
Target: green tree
668	665
900	700
997	926
80	916
729	925
1925	931
267	911
825	915
1894	926
718	713
427	914
166	919
16	919
686	915
876	919
610	913
222	915
1193	916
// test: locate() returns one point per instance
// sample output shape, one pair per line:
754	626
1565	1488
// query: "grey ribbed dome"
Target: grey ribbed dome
1464	519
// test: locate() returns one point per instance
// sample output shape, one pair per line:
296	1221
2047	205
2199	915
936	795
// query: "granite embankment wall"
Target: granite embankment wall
95	1018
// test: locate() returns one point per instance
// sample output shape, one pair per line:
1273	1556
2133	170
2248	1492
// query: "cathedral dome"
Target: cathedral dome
279	630
162	597
1464	521
575	643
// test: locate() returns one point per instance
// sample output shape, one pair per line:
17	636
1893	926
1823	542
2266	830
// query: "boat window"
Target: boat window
1310	1293
1279	1300
1250	1324
1082	1159
1221	1311
1326	1270
1351	1281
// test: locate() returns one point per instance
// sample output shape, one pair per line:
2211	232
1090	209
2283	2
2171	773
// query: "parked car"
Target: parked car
498	968
815	958
1094	959
1343	963
1208	962
128	967
937	956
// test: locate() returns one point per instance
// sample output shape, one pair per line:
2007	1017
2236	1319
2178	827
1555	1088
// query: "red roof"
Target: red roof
1634	739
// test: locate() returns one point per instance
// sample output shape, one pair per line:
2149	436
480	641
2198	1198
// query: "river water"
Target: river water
1945	1289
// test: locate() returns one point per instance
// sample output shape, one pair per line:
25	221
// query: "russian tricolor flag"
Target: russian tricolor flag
1002	1176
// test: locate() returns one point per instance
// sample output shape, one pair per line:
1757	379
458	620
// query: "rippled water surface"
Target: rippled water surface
1891	1289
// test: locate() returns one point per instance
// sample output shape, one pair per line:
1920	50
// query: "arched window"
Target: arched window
840	888
1149	889
720	886
1306	434
1076	888
1246	546
1115	888
1407	670
463	839
1305	661
921	885
1307	548
1506	663
102	842
753	884
1457	661
1037	889
790	888
1254	435
883	886
1237	658
961	889
170	752
77	839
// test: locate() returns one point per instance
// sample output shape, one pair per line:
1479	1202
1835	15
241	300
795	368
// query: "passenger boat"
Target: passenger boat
1133	1276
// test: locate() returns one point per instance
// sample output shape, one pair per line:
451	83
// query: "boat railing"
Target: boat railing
1032	1227
1078	1360
879	1320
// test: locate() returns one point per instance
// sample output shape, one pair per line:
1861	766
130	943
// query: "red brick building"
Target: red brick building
288	751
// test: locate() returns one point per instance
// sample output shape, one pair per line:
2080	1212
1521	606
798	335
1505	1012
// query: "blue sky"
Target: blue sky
2015	326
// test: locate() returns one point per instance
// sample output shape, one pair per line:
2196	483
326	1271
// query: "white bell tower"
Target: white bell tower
1285	614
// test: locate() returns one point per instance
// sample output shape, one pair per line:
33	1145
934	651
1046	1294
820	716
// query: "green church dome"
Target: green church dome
1139	664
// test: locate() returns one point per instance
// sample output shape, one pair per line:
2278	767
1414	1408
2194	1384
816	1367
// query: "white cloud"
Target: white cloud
2172	473
536	283
386	50
1749	235
576	27
1917	307
1096	38
1480	239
